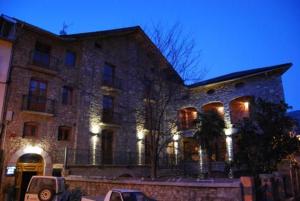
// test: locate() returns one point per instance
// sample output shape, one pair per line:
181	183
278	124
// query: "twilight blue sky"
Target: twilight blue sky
232	35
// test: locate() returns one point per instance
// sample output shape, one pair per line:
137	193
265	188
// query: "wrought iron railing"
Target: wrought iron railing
111	117
38	104
44	60
84	157
112	82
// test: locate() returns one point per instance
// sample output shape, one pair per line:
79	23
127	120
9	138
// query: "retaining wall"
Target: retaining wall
226	190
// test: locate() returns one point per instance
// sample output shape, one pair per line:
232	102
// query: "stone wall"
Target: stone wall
229	190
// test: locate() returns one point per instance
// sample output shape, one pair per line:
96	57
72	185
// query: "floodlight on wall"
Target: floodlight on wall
220	109
29	149
246	106
95	129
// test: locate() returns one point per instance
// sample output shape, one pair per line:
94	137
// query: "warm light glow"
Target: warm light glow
140	152
246	106
229	148
176	146
201	160
228	131
194	113
220	109
95	128
94	142
140	135
32	149
176	137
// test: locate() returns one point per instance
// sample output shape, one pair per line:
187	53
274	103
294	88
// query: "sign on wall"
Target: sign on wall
10	170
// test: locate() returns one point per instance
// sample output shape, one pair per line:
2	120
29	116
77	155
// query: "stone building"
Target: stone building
70	103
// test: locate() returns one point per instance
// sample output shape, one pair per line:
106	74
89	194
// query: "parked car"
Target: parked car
120	195
46	188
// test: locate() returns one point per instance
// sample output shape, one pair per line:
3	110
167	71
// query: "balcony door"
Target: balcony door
107	146
37	95
108	75
108	109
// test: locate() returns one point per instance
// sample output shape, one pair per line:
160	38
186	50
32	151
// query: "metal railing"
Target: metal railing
112	82
111	117
186	125
44	60
38	104
83	157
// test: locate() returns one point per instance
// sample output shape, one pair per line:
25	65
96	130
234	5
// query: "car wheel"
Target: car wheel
46	194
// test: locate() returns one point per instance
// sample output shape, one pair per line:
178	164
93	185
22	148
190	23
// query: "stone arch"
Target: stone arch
33	150
217	106
239	108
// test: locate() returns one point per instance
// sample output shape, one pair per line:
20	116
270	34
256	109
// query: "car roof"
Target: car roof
49	177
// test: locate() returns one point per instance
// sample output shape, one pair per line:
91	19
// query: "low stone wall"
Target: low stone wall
210	190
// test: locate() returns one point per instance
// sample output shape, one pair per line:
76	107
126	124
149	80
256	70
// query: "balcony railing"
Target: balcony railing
113	83
111	117
186	125
43	60
38	104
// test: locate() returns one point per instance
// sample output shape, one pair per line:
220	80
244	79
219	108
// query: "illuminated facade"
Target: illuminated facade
69	95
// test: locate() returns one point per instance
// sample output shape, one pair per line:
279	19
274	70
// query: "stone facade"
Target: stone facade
132	57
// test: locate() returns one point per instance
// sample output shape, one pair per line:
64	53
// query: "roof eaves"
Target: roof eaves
242	74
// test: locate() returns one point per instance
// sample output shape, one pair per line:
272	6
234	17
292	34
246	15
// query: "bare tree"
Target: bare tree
180	49
163	87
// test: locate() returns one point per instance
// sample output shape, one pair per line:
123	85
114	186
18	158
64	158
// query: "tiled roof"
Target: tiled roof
281	68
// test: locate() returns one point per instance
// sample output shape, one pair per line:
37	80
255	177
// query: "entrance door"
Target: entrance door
107	146
28	165
26	176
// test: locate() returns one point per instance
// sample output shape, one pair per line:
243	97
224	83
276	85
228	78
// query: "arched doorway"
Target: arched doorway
28	165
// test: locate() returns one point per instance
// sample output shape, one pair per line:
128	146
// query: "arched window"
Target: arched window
215	106
186	118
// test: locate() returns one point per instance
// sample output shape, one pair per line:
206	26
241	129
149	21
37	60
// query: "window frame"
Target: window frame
30	124
66	63
68	100
61	133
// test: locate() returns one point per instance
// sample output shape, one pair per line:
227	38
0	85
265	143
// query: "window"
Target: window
115	196
30	129
107	146
108	109
41	54
108	103
67	95
37	97
38	88
187	118
70	59
64	133
210	92
108	75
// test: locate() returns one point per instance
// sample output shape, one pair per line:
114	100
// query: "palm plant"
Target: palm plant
211	126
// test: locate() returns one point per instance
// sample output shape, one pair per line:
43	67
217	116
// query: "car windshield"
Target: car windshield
37	184
134	196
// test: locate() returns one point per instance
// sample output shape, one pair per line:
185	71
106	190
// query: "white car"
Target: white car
120	195
46	188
